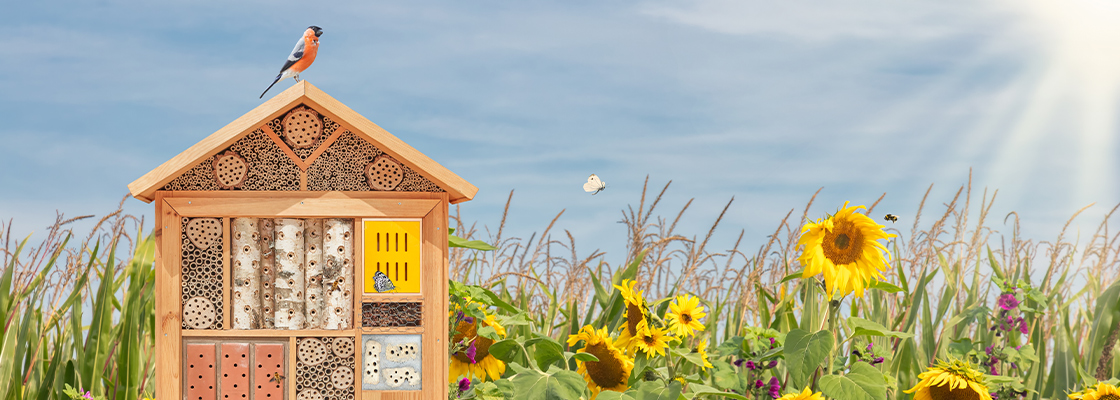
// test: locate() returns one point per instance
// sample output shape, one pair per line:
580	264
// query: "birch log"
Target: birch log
313	237
289	284
338	272
246	274
268	273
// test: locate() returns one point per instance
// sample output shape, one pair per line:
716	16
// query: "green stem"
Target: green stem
833	319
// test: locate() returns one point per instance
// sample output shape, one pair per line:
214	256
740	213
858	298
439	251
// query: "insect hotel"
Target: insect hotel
301	254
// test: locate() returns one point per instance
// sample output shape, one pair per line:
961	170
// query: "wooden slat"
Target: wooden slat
459	188
145	187
434	260
291	369
168	352
227	283
275	136
314	207
399	395
246	194
268	333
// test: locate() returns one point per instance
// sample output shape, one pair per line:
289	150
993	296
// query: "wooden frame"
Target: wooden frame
430	208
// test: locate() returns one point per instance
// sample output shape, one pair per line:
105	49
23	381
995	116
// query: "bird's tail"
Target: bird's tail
273	84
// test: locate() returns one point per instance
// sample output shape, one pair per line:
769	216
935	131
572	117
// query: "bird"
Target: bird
302	56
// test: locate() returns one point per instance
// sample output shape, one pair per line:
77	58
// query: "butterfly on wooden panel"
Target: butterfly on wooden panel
382	283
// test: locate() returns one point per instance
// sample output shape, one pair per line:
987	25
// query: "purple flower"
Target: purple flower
470	320
739	362
88	395
994	372
869	347
877	360
857	354
772	343
758	383
775	387
750	364
464	384
1007	301
471	352
1023	326
773	363
988	350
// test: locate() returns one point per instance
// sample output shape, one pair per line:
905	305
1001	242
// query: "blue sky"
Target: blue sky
764	101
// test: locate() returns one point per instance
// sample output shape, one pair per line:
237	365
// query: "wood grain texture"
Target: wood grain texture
168	351
267	333
283	146
310	207
459	189
226	281
434	259
144	188
379	395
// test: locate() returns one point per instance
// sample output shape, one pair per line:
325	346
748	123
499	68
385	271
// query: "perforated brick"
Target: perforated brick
235	371
201	372
269	360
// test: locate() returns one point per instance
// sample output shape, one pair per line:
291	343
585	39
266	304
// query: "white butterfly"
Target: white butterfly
594	185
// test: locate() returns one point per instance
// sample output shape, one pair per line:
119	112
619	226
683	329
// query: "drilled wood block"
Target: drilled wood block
384	173
235	371
230	170
302	128
204	232
201	372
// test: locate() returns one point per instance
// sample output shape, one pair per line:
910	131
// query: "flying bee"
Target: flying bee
891	217
276	377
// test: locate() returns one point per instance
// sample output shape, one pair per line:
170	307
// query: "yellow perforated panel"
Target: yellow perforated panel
392	247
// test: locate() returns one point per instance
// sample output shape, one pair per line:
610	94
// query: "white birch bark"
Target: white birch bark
338	272
313	240
246	274
289	284
268	274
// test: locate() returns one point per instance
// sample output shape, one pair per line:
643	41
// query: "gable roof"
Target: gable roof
458	189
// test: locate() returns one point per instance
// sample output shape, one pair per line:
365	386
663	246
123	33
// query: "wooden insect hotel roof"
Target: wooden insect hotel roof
344	152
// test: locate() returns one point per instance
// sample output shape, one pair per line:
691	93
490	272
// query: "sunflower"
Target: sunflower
650	339
613	368
1103	391
845	248
486	365
684	316
804	395
953	380
703	350
636	310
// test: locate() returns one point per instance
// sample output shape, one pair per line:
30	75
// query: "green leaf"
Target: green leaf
556	384
884	286
863	382
658	391
507	350
585	357
698	390
793	276
804	353
547	352
862	326
724	375
613	395
455	241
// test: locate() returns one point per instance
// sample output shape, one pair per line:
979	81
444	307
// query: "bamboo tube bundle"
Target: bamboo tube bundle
338	272
313	236
289	285
246	274
268	274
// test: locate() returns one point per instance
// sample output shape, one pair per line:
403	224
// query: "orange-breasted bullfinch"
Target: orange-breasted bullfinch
302	56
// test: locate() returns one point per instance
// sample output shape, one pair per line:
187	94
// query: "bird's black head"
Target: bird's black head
318	30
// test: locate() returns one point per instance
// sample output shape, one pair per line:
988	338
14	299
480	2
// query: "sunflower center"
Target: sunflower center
634	315
607	372
948	392
1110	396
843	244
481	343
650	340
686	317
